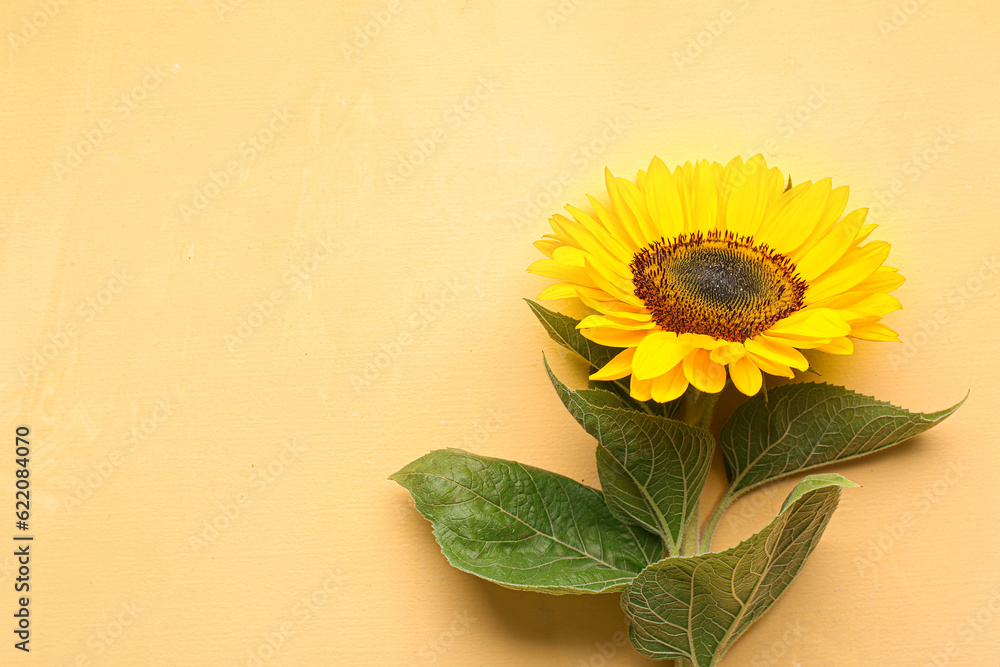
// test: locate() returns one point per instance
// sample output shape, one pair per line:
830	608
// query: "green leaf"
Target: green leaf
803	426
812	482
696	608
525	528
670	410
562	329
652	469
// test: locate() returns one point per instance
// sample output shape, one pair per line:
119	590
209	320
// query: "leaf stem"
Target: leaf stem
713	521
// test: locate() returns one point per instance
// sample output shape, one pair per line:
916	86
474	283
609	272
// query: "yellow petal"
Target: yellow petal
856	265
550	268
727	183
636	203
614	285
875	331
670	385
803	343
613	224
621	210
569	255
832	247
790	225
702	341
885	279
703	373
595	242
876	304
617	368
841	345
746	376
864	233
592	321
614	337
704	198
662	200
594	265
813	323
684	178
641	390
777	351
835	205
842	301
752	189
728	353
548	246
618	309
558	291
770	367
658	353
607	240
593	293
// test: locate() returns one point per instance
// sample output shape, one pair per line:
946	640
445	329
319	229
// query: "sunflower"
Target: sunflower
711	267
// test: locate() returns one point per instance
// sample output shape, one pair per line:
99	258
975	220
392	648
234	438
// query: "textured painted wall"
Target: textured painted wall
256	256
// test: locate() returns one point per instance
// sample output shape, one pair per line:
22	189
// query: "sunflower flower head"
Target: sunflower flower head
709	268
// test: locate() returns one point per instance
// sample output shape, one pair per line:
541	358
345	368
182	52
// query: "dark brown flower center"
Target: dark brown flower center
716	284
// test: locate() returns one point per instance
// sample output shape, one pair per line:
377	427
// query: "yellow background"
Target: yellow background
223	349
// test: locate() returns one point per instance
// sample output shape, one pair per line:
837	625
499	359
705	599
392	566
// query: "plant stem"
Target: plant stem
698	408
643	404
696	411
689	540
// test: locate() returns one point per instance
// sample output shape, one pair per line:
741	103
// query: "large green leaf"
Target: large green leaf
523	527
803	426
696	608
562	329
652	469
